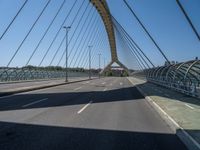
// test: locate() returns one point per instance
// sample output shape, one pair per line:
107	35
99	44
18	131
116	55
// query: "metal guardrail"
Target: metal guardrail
182	77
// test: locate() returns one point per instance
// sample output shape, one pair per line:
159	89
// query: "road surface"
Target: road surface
101	114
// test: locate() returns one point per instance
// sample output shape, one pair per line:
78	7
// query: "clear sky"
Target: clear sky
167	25
163	19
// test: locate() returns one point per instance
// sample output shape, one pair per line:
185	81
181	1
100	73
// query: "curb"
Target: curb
38	88
188	140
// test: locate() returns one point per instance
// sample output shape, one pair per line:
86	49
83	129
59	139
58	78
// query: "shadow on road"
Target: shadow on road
66	99
149	89
40	137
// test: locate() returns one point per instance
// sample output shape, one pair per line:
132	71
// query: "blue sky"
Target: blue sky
163	19
166	23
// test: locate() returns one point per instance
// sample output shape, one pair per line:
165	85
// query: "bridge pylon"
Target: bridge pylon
104	12
109	66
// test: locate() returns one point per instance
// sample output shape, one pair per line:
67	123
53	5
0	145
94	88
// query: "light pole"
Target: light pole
89	48
99	63
67	30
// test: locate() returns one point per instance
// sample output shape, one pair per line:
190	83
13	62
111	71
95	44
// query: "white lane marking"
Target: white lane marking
189	106
76	89
86	82
105	89
121	83
82	109
35	102
103	83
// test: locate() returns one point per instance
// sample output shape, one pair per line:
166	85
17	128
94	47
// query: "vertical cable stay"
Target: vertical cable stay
95	32
124	46
85	40
45	33
17	14
83	44
132	41
97	43
64	35
144	28
58	49
73	34
132	47
188	19
61	26
127	44
134	54
28	33
81	18
81	38
80	30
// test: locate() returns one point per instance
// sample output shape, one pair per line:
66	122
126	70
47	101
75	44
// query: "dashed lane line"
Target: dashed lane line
29	104
82	109
76	89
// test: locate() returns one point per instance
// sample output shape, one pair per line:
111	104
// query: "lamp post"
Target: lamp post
67	30
89	48
99	63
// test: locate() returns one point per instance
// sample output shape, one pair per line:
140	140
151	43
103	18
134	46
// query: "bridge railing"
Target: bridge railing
24	74
182	77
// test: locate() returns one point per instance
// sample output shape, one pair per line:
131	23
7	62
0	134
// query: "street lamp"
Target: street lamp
99	64
89	48
67	30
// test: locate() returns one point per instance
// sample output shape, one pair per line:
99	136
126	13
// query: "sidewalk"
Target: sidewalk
17	87
183	112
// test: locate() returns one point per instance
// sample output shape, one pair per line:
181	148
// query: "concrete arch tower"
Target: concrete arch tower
104	12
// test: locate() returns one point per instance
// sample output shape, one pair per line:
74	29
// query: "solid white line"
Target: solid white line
104	89
35	102
78	88
82	109
189	106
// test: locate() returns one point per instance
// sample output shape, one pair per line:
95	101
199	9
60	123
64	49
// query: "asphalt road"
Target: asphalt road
101	114
12	86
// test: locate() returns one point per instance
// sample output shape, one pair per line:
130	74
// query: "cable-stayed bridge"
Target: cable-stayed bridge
74	76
